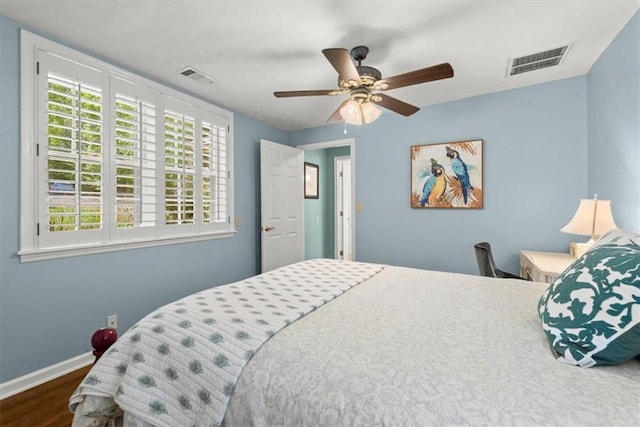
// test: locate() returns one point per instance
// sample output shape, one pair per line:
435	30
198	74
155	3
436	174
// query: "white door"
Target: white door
282	205
343	208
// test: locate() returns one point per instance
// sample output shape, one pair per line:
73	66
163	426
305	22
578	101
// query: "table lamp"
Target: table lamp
593	218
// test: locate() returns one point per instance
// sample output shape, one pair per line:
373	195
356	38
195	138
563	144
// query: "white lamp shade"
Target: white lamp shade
351	112
593	218
370	112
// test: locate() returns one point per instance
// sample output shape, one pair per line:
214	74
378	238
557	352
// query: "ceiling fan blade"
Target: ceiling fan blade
341	61
305	93
394	104
429	74
336	116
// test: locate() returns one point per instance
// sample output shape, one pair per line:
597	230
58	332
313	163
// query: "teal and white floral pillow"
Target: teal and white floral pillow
619	237
591	313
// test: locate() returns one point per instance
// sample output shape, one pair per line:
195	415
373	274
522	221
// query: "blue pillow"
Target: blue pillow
591	312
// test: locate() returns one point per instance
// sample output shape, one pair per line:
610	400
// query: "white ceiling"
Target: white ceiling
253	48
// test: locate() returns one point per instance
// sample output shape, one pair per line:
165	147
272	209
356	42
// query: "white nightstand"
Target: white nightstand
543	266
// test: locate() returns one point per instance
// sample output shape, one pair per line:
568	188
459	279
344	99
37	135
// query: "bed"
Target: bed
329	343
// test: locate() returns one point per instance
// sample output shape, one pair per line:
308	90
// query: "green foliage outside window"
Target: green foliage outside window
74	156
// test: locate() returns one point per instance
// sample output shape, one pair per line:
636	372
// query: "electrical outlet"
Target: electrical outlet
112	321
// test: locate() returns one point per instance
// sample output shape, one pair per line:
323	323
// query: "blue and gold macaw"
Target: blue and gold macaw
435	186
460	170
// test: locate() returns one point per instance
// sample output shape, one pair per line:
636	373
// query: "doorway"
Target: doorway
326	232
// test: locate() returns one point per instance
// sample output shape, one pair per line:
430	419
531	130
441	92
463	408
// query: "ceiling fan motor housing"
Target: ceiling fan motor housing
371	72
368	75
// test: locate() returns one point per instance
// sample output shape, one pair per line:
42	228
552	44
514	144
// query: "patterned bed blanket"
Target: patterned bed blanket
180	364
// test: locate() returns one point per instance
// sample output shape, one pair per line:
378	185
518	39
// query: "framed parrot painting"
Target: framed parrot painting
447	175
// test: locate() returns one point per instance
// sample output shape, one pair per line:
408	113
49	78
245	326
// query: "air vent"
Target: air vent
537	61
196	75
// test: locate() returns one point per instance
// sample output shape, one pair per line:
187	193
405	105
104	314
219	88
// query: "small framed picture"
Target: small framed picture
311	181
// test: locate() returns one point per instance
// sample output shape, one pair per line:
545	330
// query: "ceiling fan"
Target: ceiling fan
364	84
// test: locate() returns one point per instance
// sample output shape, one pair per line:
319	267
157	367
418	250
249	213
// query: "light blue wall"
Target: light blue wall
613	106
534	166
49	309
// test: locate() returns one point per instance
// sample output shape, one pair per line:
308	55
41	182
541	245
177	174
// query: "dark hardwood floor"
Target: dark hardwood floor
42	406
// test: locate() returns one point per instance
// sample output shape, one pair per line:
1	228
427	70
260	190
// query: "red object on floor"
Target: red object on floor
101	340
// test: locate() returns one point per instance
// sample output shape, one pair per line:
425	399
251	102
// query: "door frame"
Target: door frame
351	143
339	190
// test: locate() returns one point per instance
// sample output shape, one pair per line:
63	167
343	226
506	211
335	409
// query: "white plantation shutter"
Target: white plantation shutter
135	159
222	190
72	145
111	160
215	172
209	168
179	168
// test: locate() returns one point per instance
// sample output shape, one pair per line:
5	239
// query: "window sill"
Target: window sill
32	255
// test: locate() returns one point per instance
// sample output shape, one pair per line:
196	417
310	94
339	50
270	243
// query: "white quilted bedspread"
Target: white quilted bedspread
422	348
179	365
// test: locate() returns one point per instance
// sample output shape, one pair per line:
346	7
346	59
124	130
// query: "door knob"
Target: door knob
268	228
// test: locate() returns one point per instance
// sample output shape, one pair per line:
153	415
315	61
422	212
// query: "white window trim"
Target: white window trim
29	251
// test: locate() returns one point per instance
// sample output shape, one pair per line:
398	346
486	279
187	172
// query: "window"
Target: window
112	161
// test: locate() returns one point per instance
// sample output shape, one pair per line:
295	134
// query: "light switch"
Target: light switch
238	221
359	207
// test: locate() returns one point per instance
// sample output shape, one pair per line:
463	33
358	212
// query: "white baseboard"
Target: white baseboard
33	379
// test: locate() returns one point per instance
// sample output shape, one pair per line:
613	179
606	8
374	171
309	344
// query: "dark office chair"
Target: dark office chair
487	265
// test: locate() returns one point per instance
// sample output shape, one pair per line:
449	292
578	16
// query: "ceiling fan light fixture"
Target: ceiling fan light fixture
358	112
361	81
